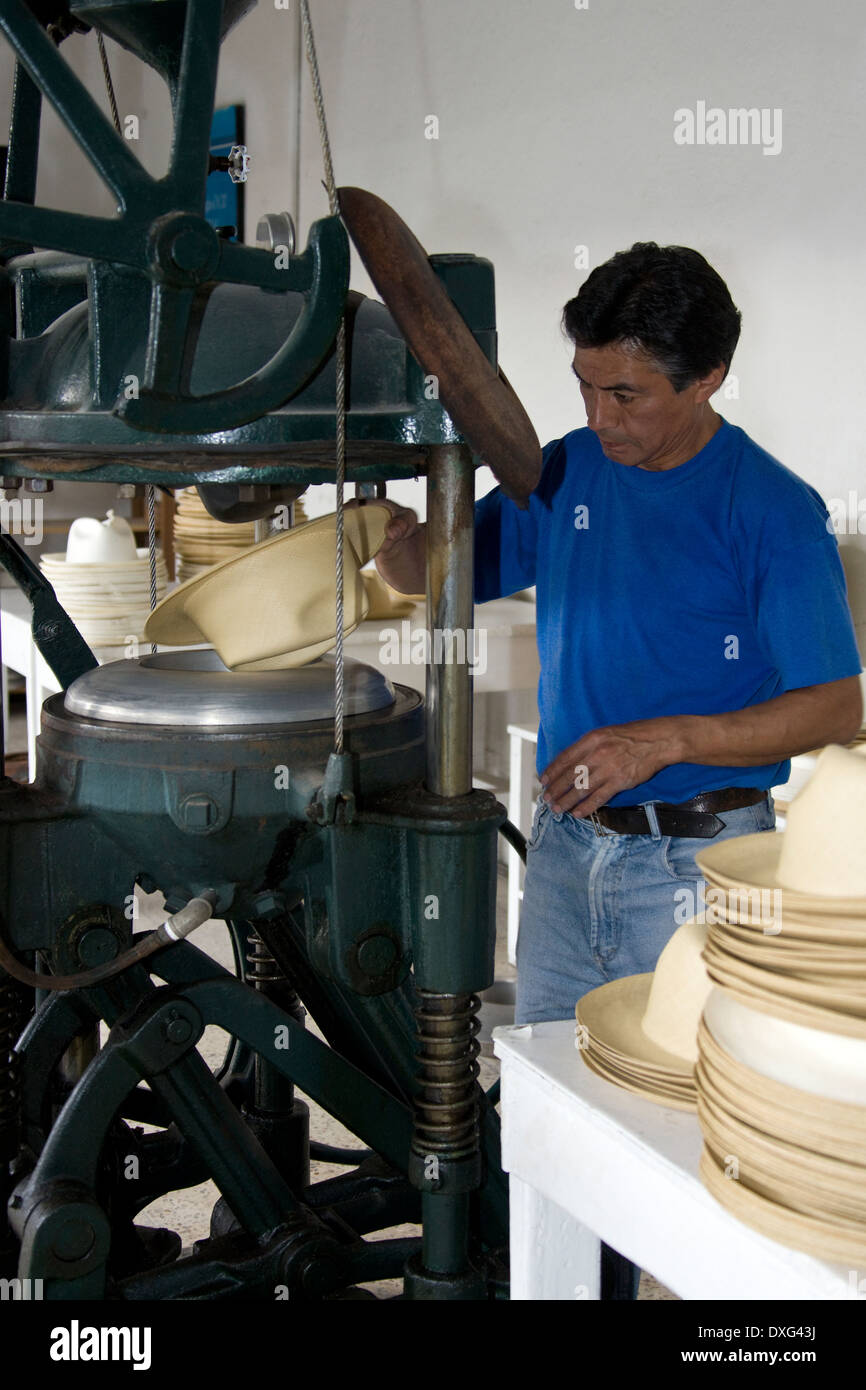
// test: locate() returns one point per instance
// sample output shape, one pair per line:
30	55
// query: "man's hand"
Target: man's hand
607	761
403	525
612	759
402	559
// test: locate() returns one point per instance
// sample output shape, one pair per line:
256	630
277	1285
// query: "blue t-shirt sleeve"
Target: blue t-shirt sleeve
506	538
803	619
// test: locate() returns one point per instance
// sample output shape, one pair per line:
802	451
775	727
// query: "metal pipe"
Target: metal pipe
446	1117
4	698
450	538
445	1232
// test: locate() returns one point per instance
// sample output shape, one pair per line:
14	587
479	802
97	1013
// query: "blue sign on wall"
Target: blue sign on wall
224	205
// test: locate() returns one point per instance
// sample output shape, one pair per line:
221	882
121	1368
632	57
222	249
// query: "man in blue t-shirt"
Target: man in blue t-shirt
693	626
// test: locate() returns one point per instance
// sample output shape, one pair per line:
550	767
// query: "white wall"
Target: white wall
556	129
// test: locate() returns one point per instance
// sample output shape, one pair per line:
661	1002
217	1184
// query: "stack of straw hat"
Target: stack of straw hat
782	1045
787	911
782	1109
640	1032
201	541
103	581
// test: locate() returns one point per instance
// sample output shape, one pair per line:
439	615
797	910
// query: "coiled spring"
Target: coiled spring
446	1103
262	969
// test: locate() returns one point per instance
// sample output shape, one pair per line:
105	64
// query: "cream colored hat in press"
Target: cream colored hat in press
386	602
274	606
822	852
652	1019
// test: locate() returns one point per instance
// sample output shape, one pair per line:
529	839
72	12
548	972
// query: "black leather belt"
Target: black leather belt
695	819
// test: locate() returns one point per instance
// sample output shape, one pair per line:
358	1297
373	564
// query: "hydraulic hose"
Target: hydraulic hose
197	911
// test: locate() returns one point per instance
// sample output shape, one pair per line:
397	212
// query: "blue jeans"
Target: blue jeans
596	908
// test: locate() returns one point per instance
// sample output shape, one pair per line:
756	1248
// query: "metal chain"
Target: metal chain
150	490
340	406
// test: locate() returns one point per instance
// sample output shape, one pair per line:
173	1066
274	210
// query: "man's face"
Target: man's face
640	420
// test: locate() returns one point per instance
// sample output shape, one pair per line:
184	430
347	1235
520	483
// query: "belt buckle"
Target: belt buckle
597	825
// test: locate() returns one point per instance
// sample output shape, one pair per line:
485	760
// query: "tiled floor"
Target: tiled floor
188	1212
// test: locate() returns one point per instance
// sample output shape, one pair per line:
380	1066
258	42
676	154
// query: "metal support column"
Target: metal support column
446	1154
450	539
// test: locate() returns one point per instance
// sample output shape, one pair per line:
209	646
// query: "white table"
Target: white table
505	631
21	654
591	1162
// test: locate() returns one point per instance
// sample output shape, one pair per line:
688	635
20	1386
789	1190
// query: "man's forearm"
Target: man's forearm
405	568
778	729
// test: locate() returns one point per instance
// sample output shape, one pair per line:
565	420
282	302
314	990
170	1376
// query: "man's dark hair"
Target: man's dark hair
664	300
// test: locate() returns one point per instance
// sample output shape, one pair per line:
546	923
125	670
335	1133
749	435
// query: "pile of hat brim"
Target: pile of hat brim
789	1163
201	541
613	1045
109	601
797	956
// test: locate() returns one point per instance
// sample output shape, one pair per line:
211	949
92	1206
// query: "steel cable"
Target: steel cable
340	406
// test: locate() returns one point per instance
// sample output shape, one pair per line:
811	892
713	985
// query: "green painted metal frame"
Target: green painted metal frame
161	232
159	251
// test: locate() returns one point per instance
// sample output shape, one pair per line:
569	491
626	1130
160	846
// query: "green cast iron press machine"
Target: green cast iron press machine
159	771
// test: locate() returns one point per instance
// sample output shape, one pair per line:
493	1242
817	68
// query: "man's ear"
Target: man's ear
709	384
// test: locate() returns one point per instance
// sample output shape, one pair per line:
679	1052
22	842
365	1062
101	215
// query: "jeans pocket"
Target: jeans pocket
764	814
540	822
680	850
678	856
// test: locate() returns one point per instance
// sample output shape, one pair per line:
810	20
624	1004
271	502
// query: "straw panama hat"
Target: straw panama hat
822	852
274	606
829	1127
823	1187
652	1019
808	1059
